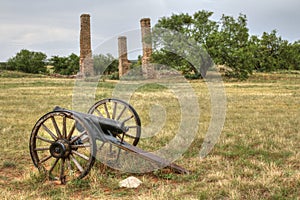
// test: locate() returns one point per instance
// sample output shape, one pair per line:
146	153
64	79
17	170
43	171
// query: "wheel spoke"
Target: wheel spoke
77	164
98	112
69	163
132	127
44	139
80	146
103	143
42	149
62	176
127	119
110	148
64	127
130	136
114	110
124	134
53	166
85	139
80	155
120	115
45	159
56	127
71	131
48	131
77	137
106	110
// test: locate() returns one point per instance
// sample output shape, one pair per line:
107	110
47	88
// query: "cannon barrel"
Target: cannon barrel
105	125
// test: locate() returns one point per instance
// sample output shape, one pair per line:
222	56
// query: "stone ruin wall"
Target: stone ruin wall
124	63
147	67
86	59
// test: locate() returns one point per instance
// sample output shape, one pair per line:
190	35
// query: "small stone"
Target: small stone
130	182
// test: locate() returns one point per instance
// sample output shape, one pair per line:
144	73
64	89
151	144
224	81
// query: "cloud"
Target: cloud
50	40
48	24
34	34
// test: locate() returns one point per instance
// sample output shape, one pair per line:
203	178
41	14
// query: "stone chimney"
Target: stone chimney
124	63
147	67
86	60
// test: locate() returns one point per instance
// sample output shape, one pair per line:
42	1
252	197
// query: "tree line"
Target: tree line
225	42
37	63
228	43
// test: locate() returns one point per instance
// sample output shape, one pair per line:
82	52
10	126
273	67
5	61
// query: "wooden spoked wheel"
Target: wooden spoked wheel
122	112
62	146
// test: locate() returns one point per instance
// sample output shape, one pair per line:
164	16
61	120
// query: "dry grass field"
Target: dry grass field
257	155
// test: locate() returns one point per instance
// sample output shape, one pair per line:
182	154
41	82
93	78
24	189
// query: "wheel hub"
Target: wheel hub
60	149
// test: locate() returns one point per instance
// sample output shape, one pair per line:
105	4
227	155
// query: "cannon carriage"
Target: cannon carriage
64	144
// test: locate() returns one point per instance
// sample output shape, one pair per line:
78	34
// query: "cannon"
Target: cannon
64	143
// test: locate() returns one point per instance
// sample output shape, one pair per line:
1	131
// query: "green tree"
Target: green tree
105	64
182	42
65	65
226	41
179	41
295	60
230	46
28	61
3	65
274	53
203	27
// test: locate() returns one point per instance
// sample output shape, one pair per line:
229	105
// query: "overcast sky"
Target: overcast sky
53	26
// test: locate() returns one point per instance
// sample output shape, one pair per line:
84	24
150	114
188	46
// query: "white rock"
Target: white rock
130	182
